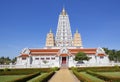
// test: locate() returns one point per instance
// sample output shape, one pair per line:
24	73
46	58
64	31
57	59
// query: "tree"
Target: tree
5	60
106	50
114	55
14	60
118	56
81	56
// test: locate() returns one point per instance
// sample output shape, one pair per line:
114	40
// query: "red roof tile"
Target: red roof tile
24	55
38	52
63	55
44	50
101	54
86	50
42	54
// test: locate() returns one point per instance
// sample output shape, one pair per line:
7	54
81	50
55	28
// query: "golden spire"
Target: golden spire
63	11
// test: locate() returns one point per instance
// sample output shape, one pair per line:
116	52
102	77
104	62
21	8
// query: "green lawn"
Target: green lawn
92	78
5	78
113	74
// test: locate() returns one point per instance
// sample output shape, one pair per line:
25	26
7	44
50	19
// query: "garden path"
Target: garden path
64	75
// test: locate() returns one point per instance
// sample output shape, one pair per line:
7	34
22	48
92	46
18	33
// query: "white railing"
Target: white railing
26	66
49	65
97	65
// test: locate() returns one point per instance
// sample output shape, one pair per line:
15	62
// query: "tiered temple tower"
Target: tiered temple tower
77	42
50	42
63	35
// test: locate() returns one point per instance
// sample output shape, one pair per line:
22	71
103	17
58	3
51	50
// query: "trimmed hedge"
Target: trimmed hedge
26	78
43	78
24	71
55	69
97	69
106	78
82	78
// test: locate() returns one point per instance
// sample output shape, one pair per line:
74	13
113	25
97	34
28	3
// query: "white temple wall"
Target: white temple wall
51	61
93	59
102	60
71	61
21	61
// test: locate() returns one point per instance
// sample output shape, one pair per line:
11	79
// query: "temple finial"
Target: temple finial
76	30
63	11
50	31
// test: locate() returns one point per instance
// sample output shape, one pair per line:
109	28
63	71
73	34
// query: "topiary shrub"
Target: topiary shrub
26	78
81	77
116	67
106	78
74	68
55	69
43	78
6	69
98	69
24	71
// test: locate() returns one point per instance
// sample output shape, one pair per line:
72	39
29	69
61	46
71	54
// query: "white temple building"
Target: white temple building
60	50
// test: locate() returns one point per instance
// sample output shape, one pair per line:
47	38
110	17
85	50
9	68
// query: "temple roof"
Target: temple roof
42	52
24	55
87	51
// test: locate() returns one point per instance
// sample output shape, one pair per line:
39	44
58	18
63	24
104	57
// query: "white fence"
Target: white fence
48	65
97	65
24	66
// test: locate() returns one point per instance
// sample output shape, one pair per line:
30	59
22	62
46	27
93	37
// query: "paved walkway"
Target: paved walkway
63	75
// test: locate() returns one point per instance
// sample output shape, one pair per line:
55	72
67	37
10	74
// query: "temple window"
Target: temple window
36	58
42	58
47	58
23	58
53	58
101	57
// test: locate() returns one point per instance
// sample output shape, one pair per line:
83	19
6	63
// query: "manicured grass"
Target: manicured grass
5	78
112	74
92	78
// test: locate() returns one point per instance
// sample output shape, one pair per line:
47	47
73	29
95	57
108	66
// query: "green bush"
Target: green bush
106	78
98	69
55	69
82	78
1	70
73	68
26	78
43	78
6	69
24	71
116	67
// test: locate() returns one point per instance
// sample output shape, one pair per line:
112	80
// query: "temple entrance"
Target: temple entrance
63	60
64	63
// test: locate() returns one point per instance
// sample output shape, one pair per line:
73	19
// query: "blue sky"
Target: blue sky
25	23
